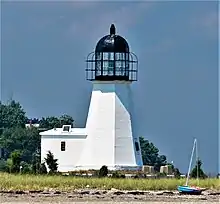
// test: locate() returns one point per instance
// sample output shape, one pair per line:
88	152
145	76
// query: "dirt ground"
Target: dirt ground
107	197
110	202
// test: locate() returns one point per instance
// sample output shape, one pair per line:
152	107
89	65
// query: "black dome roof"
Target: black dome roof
112	43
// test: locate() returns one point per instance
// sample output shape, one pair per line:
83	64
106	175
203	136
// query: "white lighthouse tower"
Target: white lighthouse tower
111	136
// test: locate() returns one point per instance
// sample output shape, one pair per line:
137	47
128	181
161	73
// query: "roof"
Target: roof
59	131
112	43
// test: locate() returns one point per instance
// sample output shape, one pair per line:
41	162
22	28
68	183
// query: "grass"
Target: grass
67	183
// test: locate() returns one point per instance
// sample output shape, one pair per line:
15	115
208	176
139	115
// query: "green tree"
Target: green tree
194	171
150	155
51	162
66	120
3	165
43	168
56	122
12	115
26	140
15	161
49	122
36	162
176	173
103	172
26	168
9	165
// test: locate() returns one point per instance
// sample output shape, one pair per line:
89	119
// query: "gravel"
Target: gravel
106	197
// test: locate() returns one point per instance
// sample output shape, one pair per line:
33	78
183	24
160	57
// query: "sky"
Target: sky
44	46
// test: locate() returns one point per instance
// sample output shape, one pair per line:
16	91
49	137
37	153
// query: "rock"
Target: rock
35	191
45	192
4	191
19	192
56	192
84	192
158	193
168	192
136	192
214	193
70	196
87	186
14	196
96	193
99	196
118	193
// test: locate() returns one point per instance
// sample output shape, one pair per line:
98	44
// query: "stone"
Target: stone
136	192
118	193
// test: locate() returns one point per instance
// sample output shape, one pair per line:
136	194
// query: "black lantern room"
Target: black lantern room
112	60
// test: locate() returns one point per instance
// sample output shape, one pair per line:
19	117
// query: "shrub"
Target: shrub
3	165
103	172
198	168
51	162
140	174
117	174
15	161
176	173
43	168
161	175
26	168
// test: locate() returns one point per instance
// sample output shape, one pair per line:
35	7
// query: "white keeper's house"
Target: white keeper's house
109	137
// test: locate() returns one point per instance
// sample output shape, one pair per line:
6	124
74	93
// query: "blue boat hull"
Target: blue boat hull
189	190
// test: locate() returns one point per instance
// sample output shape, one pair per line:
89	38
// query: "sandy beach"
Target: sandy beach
106	197
110	202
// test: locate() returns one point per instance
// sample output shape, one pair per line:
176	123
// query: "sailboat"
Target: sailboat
186	189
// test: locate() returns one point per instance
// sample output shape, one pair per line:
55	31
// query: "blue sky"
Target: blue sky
44	46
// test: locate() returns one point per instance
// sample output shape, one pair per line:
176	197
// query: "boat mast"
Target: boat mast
190	163
197	163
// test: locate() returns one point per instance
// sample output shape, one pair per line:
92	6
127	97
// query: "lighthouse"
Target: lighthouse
112	139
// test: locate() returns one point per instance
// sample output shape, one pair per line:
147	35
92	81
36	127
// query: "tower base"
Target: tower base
111	139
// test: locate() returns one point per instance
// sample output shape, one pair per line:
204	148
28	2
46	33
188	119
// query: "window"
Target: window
98	56
66	128
111	56
137	146
108	55
63	146
120	56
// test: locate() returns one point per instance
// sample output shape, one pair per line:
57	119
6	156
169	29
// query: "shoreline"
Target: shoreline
113	195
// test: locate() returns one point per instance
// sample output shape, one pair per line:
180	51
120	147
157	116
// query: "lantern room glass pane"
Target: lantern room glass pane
98	68
112	64
98	65
98	56
108	55
120	68
108	68
120	56
108	63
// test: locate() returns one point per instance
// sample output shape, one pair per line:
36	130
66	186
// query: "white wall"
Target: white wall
100	125
125	151
69	157
110	138
109	128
